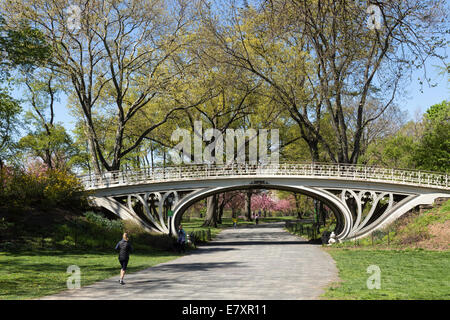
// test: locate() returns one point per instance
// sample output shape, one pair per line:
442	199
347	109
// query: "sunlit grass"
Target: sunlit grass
195	224
32	274
405	274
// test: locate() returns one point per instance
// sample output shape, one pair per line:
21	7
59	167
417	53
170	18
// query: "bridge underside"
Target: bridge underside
360	207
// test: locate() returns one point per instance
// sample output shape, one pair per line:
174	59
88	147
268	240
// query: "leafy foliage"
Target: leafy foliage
396	151
55	146
41	187
9	120
433	152
423	145
22	46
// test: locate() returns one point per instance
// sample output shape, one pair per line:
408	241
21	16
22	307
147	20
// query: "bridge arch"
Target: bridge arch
342	213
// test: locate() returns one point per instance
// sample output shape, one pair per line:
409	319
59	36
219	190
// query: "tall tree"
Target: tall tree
124	59
25	48
397	150
422	144
319	57
433	151
46	139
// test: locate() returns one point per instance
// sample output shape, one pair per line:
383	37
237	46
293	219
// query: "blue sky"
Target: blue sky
415	100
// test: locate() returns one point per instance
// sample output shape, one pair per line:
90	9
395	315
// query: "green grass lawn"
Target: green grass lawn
405	274
195	224
32	274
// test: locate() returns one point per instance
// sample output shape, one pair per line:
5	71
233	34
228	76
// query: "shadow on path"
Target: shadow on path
250	262
252	243
197	266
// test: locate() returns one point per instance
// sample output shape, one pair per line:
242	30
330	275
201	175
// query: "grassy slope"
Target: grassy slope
408	271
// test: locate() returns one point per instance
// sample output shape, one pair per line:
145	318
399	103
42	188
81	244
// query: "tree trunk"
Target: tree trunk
321	213
1	174
248	204
317	213
220	213
151	156
297	205
92	152
314	150
48	159
211	212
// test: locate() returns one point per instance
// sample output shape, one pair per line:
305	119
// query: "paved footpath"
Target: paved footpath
248	263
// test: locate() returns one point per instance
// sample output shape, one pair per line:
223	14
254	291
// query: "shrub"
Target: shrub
20	188
99	220
40	187
142	239
62	189
5	225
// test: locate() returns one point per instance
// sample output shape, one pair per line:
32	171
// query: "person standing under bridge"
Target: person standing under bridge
234	222
124	248
181	241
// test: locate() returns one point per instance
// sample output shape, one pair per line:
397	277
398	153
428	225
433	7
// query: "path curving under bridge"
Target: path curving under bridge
250	263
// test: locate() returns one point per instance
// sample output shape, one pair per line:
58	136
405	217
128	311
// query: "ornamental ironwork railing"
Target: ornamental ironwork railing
147	175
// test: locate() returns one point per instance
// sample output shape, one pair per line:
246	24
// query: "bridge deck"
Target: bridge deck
310	170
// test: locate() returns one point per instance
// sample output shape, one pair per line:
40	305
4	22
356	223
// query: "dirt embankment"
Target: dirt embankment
427	229
439	237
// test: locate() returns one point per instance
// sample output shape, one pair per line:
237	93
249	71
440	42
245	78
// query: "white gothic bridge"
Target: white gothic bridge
362	198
